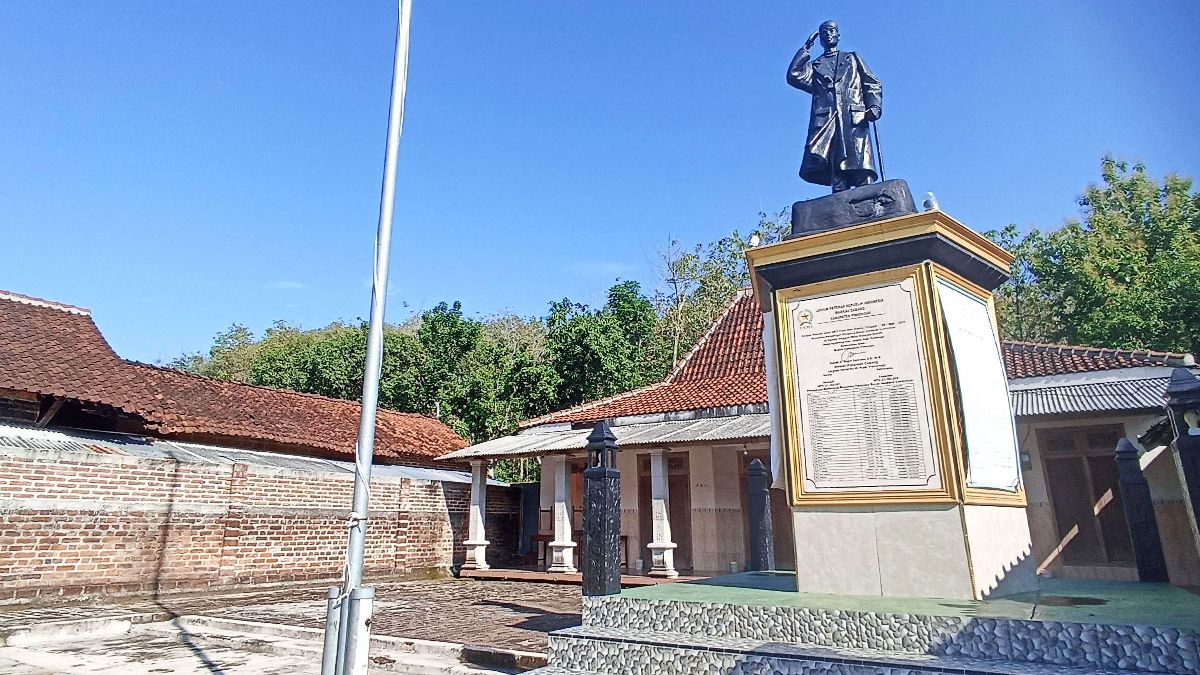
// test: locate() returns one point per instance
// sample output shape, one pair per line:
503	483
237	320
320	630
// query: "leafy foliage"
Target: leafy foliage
483	376
597	353
1022	306
697	284
1126	275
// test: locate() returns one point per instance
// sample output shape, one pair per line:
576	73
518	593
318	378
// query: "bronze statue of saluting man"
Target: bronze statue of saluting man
846	98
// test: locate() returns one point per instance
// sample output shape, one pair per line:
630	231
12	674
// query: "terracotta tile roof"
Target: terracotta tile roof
726	368
57	350
1031	359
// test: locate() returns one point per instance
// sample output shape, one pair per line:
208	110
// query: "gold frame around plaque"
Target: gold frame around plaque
941	399
970	495
950	490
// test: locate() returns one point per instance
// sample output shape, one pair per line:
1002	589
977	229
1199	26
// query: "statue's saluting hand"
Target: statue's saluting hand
812	40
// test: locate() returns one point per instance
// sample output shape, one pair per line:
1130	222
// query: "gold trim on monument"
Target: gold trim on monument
950	489
970	495
878	232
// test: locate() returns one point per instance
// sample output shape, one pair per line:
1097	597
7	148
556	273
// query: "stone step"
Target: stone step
589	649
1053	643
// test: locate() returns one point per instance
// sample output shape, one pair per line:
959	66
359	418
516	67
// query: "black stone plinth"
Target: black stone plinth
1139	513
601	531
886	255
1183	396
875	201
762	536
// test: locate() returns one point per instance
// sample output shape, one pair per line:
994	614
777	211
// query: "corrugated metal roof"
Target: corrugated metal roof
71	440
1148	394
534	442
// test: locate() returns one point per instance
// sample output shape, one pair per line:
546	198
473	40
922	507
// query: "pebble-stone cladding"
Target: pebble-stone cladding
1097	646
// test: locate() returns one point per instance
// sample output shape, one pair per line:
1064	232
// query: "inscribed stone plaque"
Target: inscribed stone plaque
860	380
982	391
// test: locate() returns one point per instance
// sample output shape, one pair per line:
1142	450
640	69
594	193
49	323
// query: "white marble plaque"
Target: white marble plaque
982	391
860	383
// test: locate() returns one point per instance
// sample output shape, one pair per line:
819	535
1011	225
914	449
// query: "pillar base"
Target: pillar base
476	555
662	559
562	557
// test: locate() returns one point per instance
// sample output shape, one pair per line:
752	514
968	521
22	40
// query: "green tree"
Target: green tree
697	283
230	357
1023	307
446	337
1128	273
598	353
331	361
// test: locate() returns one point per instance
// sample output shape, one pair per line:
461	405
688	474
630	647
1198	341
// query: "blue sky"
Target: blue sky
180	166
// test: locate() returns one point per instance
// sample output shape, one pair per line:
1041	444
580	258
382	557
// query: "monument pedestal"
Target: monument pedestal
913	551
897	437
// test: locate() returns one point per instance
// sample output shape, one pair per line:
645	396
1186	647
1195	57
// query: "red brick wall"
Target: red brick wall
76	523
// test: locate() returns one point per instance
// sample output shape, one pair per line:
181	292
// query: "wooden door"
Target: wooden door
1085	495
679	505
645	514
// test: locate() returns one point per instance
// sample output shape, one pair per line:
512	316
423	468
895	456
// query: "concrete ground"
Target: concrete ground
144	650
205	646
500	614
419	627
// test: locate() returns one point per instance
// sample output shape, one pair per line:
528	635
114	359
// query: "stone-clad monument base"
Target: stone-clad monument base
681	628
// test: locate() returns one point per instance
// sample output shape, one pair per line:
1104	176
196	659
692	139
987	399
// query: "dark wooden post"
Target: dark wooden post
601	515
762	537
1183	407
1139	513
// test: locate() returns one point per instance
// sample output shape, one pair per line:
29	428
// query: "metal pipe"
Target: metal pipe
358	636
333	620
365	447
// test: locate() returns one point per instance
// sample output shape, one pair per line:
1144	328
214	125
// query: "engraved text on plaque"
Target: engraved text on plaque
861	388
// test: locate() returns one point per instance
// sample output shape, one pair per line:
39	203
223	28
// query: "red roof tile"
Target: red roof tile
54	349
726	368
1031	359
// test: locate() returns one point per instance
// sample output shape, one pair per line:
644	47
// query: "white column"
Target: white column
662	549
476	542
562	549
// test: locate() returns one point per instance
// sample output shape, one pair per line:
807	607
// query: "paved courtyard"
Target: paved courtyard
506	614
503	614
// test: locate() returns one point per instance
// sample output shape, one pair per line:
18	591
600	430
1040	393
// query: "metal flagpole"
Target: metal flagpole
352	627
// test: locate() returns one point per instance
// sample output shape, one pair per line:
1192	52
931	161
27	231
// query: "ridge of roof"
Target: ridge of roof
41	302
716	324
1183	358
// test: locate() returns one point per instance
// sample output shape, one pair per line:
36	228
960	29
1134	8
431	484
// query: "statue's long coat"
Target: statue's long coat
842	89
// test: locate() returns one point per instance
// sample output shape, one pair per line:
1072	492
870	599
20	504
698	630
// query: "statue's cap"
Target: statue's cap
830	22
